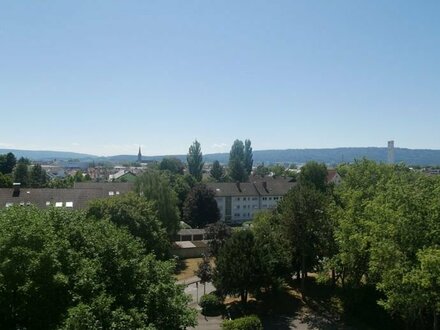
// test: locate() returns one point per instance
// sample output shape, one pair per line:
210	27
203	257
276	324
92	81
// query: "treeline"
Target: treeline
376	234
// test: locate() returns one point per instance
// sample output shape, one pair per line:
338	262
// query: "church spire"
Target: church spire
139	155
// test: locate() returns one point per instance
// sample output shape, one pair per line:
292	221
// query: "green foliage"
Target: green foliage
262	170
315	174
182	185
306	224
156	188
171	164
277	170
5	181
251	322
195	161
38	177
217	234
59	269
248	160
217	172
272	248
200	207
236	166
21	174
237	266
204	270
138	216
211	304
7	163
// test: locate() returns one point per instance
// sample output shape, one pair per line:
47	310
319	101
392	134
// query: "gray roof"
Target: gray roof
223	189
191	232
259	188
75	198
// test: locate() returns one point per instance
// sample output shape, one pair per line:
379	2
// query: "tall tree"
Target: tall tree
195	160
248	157
7	163
217	233
237	266
156	188
303	212
236	165
21	174
200	207
217	171
37	177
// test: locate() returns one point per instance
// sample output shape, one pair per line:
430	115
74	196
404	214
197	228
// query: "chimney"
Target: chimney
16	186
238	186
265	185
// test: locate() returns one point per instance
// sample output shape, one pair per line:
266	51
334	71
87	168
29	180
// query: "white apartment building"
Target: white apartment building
238	202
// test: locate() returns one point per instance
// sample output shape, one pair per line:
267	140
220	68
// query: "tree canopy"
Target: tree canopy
200	207
195	160
61	270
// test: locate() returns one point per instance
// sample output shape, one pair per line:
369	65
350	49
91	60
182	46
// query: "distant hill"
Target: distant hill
299	156
44	155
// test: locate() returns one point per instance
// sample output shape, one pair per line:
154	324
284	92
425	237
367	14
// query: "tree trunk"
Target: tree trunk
435	325
333	277
298	274
304	274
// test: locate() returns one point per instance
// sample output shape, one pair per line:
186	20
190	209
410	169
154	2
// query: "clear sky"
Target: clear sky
104	77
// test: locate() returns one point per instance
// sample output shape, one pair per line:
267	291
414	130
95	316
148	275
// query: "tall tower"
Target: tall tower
391	152
139	155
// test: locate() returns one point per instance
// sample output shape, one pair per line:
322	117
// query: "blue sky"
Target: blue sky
103	77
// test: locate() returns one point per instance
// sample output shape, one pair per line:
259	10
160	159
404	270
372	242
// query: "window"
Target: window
254	198
69	204
9	204
275	198
270	198
111	193
28	204
21	203
117	193
58	204
236	214
238	198
264	198
244	198
47	203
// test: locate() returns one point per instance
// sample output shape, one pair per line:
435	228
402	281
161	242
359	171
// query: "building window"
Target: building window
47	203
111	193
69	204
254	198
117	193
270	198
58	204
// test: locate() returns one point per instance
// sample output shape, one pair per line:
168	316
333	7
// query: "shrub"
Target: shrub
251	322
211	304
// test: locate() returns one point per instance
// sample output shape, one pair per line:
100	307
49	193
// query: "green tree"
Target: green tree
262	170
272	248
38	177
218	233
195	161
5	181
138	216
7	163
204	271
303	213
156	188
217	172
21	174
59	269
315	174
248	157
237	266
200	207
236	166
174	165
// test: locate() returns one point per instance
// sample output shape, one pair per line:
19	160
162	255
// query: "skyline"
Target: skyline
104	77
